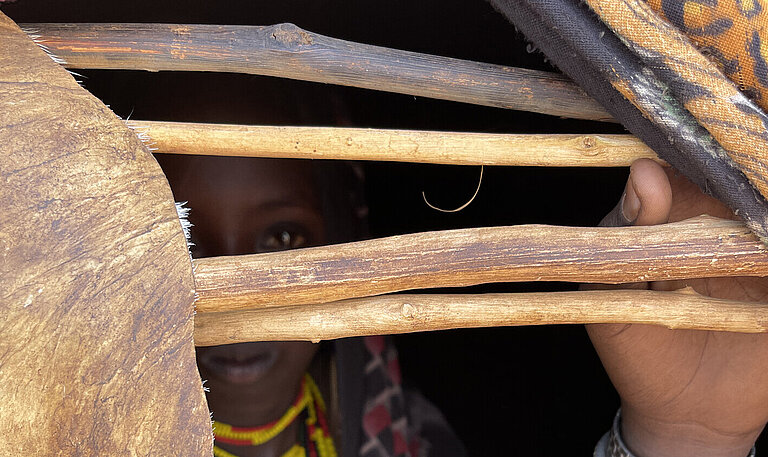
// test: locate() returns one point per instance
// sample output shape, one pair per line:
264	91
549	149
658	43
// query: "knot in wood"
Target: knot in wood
291	36
589	144
408	311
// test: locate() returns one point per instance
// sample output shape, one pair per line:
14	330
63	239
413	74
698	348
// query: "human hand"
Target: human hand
684	392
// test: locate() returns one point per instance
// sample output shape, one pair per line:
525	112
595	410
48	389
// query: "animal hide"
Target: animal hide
96	349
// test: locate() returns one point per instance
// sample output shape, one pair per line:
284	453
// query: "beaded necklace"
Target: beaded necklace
314	438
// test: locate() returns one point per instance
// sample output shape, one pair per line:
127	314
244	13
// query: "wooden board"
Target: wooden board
96	350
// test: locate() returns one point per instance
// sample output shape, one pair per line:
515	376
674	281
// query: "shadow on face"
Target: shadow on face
245	206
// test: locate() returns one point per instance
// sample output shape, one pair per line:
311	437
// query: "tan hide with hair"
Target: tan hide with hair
96	349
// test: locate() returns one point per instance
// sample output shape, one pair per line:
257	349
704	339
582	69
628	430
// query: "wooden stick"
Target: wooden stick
394	145
698	247
407	313
286	51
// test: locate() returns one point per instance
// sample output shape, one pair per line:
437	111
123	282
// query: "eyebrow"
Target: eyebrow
279	203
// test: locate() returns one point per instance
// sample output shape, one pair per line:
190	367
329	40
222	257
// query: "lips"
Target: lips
238	365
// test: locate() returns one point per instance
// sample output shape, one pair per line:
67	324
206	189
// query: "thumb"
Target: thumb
647	198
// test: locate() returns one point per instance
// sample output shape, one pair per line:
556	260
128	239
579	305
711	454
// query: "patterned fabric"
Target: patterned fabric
649	76
387	432
737	124
732	33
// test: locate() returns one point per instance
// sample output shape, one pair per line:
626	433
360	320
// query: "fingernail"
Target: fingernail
631	204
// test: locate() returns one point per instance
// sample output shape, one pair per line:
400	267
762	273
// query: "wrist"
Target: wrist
652	437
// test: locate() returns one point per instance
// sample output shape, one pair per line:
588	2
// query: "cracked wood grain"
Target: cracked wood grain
699	247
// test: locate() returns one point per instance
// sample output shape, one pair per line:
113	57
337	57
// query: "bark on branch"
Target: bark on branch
695	248
454	148
287	51
404	313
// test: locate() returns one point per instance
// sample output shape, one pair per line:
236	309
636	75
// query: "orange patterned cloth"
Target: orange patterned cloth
686	76
737	123
732	33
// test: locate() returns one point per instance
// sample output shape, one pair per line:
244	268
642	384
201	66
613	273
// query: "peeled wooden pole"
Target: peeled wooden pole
456	148
698	247
286	51
404	313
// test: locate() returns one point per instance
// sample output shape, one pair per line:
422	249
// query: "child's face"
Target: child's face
245	206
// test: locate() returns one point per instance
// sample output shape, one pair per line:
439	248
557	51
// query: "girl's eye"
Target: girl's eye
281	238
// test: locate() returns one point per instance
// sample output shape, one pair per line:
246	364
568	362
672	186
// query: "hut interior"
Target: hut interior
528	390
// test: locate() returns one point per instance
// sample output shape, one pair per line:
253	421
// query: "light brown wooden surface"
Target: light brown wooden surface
286	51
699	247
96	349
404	313
455	148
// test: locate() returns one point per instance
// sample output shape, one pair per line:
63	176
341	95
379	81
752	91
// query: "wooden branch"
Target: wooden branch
286	51
698	247
395	145
406	313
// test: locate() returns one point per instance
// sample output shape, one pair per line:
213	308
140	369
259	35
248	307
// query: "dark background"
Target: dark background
507	391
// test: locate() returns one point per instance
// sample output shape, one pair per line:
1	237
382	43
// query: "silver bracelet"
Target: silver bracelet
611	444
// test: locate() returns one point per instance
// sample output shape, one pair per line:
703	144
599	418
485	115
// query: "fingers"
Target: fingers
690	201
647	198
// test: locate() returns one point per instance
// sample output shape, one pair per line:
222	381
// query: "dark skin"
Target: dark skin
245	206
685	392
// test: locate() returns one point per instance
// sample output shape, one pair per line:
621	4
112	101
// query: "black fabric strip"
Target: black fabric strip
575	40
